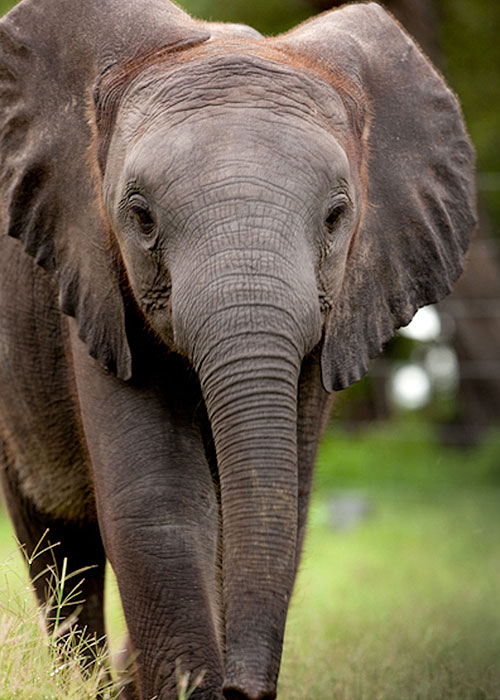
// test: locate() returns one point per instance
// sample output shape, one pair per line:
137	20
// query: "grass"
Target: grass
63	665
403	605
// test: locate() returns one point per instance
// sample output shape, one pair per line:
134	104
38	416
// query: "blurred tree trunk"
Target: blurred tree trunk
475	308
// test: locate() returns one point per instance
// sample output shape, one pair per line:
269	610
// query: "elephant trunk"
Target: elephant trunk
253	418
248	355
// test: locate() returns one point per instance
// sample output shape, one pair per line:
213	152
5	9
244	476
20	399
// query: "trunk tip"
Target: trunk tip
248	691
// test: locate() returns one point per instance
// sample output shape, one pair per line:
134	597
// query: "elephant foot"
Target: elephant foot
235	694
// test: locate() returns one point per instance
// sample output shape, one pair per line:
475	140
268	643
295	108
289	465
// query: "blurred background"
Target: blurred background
399	593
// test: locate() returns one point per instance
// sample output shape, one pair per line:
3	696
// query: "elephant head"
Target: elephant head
254	201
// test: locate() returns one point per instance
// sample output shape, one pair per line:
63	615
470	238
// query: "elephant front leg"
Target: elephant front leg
314	408
159	518
165	573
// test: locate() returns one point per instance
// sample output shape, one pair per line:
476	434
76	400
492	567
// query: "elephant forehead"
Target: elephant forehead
228	120
217	84
243	133
240	156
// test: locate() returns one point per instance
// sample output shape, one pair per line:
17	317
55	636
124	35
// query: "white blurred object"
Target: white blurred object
441	362
410	387
424	326
347	509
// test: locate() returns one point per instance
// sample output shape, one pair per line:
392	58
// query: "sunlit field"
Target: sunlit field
400	600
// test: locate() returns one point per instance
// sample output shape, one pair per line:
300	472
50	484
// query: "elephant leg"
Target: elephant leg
159	517
313	410
52	546
43	461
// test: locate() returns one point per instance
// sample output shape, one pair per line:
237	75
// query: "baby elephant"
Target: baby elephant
205	233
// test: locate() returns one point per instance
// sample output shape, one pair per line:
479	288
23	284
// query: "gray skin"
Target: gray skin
205	233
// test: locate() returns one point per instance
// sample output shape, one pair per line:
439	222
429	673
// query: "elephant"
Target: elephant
206	234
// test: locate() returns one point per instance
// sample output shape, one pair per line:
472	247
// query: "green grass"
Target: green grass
62	665
404	452
406	605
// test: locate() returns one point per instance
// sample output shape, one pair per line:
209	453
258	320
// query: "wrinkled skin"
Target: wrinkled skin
228	230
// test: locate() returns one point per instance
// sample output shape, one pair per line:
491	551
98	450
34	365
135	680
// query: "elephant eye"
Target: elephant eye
335	215
140	214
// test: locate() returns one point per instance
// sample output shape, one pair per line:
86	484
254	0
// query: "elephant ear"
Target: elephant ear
418	174
51	53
